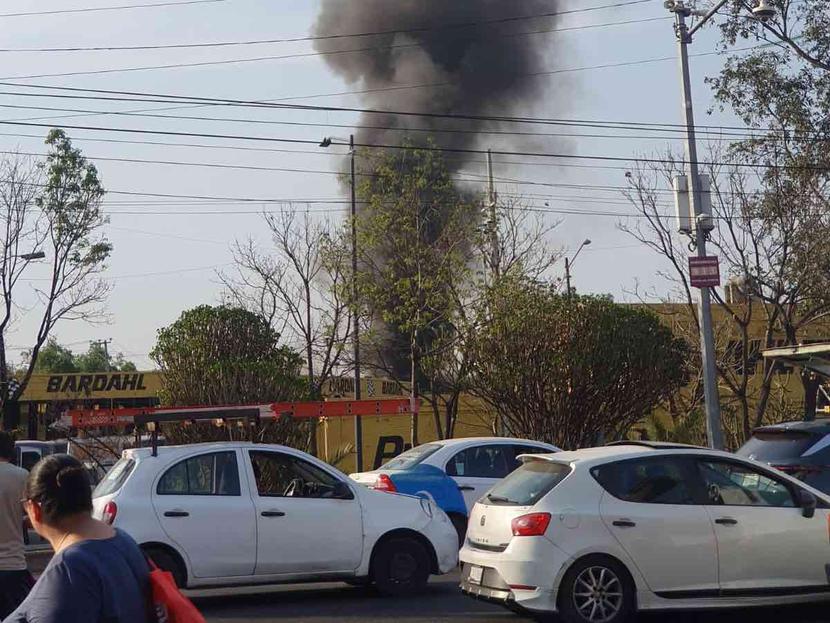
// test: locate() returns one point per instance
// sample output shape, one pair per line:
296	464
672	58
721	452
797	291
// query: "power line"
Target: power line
222	44
454	150
109	95
317	152
720	136
111	8
463	176
177	271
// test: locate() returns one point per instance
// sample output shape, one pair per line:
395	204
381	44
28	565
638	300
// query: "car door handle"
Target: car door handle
176	514
726	521
466	488
272	514
624	523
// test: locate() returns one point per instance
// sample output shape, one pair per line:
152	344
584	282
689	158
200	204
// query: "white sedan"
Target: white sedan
240	513
474	463
600	533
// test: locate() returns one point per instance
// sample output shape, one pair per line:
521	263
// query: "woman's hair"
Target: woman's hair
60	485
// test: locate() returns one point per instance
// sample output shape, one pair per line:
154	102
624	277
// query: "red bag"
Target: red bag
170	605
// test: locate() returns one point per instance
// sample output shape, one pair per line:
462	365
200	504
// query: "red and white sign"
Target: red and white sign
704	272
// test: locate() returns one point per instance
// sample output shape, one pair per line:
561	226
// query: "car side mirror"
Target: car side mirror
342	491
808	503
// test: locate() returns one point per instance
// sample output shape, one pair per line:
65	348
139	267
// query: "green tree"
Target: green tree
53	206
416	235
98	359
56	359
571	371
223	356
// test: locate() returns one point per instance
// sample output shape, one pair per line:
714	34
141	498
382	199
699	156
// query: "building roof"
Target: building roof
813	357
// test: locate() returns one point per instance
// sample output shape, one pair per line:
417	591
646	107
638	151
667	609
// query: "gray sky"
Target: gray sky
165	263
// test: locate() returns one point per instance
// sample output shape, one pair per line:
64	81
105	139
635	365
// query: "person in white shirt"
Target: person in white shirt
15	579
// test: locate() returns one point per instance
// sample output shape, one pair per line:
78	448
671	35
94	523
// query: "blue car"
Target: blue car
453	473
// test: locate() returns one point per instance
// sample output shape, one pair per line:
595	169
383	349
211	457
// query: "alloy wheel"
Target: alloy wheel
598	594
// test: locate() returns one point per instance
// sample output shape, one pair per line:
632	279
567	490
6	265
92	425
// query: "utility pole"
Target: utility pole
707	340
103	344
492	201
568	277
358	420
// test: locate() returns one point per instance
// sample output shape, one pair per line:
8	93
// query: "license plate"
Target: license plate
476	574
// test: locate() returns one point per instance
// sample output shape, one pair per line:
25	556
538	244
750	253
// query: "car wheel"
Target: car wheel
460	524
596	590
400	567
166	561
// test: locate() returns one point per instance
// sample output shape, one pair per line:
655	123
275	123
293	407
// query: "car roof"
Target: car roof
821	425
216	446
463	440
605	454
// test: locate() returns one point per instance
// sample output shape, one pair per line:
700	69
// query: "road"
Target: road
442	603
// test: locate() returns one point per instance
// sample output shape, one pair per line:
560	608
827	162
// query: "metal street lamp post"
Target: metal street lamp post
569	263
358	420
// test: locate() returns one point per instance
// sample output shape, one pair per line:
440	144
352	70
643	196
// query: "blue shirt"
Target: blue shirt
103	581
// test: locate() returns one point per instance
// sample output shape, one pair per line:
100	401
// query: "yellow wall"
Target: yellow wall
336	434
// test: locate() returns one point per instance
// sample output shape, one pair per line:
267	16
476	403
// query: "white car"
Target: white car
475	463
241	513
600	533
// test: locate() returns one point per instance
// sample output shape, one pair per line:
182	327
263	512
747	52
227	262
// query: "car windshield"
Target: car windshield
412	457
528	484
770	446
115	478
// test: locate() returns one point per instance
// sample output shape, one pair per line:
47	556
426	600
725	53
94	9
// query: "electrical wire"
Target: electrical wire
223	44
139	97
110	8
721	136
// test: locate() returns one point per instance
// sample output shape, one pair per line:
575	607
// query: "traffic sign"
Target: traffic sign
704	272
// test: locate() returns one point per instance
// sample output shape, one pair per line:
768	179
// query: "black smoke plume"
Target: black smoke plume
485	69
467	57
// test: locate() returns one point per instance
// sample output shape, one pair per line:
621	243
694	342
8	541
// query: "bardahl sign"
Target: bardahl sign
86	383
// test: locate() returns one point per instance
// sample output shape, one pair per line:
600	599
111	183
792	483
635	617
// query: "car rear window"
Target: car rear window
412	457
115	478
768	446
528	484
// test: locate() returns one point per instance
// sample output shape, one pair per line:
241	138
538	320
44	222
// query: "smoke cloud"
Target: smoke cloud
479	70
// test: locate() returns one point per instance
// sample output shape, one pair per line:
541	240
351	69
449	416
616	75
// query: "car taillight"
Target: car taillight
384	483
534	524
110	511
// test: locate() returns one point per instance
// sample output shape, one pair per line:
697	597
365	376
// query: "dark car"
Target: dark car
801	449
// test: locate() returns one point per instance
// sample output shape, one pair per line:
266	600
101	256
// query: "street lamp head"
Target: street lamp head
764	10
37	255
587	242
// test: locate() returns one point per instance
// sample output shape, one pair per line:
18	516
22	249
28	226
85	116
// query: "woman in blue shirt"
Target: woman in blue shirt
98	574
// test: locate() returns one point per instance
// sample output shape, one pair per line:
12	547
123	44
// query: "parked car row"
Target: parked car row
593	535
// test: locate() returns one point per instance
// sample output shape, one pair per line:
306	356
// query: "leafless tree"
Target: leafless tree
300	285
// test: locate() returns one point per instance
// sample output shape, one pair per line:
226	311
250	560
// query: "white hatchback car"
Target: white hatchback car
600	533
240	513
